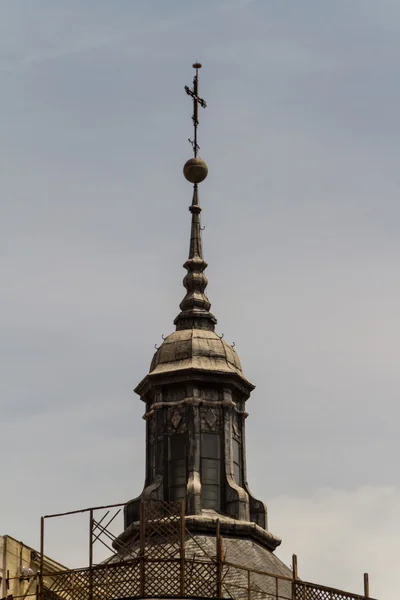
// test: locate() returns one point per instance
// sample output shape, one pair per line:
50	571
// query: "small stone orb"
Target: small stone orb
195	170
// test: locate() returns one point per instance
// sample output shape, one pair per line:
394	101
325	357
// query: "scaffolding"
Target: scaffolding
155	562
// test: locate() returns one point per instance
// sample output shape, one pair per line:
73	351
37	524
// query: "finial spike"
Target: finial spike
194	93
195	307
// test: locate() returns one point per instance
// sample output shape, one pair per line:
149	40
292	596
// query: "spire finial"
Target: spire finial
195	170
195	307
194	93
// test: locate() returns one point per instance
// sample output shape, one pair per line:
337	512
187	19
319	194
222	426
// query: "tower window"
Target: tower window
211	470
237	461
177	475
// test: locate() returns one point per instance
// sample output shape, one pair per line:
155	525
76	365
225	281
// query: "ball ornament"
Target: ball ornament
195	170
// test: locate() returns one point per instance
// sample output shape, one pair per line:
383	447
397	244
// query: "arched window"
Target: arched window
177	471
211	470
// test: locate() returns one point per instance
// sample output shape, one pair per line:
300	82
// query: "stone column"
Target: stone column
237	500
193	494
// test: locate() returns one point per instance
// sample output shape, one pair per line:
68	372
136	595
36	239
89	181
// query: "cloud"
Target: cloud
340	534
301	215
76	48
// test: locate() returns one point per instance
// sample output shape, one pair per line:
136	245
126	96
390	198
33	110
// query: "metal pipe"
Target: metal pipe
366	585
41	558
294	567
103	528
90	554
182	548
75	512
4	582
142	548
219	561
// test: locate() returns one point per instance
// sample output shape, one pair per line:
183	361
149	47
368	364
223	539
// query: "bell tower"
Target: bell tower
195	397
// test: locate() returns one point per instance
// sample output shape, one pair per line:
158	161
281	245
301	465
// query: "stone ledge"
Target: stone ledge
206	523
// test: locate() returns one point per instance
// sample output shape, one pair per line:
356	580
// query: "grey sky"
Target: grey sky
301	210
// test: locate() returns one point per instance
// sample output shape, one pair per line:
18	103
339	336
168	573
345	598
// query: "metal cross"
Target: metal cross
194	93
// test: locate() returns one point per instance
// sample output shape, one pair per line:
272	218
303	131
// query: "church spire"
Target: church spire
195	307
195	394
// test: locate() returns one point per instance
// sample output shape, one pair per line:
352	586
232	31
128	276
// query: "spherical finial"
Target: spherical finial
195	170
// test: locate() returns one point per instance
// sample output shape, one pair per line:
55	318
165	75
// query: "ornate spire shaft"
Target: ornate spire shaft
195	233
195	306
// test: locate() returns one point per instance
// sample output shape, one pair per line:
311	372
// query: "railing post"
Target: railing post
73	586
295	576
182	547
142	526
366	585
91	554
294	567
219	561
41	558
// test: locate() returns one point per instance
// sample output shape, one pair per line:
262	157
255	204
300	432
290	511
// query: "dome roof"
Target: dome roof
195	349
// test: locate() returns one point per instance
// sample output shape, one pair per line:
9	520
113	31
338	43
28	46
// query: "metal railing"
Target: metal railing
159	563
195	577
